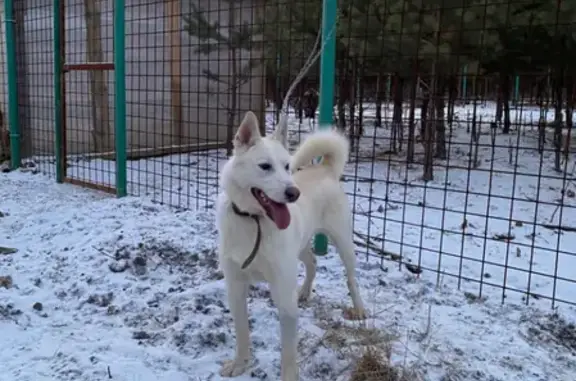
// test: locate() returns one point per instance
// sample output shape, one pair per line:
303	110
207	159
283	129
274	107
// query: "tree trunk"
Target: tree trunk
342	98
452	95
570	90
101	129
412	119
499	105
428	174
424	116
300	105
474	90
540	85
397	111
379	100
273	92
360	100
352	133
505	86
341	105
439	122
559	101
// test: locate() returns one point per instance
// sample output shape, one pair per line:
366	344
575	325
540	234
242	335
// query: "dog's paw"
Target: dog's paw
233	368
304	295
290	374
354	314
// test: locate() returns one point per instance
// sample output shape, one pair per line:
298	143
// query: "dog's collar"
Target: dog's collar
256	219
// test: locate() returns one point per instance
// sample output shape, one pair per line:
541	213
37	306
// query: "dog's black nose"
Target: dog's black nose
292	194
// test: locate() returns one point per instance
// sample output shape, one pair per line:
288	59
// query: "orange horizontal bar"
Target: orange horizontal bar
89	66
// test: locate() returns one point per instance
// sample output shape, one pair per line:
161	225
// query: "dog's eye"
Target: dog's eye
265	166
287	167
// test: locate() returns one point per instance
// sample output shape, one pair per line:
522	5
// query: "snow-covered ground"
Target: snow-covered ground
128	289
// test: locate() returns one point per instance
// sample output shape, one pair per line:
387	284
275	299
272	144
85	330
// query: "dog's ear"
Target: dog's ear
248	133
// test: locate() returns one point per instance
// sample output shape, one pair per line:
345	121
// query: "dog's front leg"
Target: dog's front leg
237	290
285	297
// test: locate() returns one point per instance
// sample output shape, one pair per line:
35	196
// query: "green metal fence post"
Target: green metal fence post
120	100
58	73
327	74
13	119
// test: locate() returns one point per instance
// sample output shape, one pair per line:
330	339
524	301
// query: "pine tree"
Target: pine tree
233	38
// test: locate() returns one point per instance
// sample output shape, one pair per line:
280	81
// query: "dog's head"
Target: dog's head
258	177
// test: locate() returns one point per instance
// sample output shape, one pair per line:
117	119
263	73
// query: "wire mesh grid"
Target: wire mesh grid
35	81
461	171
191	74
88	92
459	117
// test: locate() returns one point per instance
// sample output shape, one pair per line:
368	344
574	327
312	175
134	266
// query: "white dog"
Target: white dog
271	206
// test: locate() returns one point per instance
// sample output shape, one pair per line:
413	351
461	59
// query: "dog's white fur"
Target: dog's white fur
322	207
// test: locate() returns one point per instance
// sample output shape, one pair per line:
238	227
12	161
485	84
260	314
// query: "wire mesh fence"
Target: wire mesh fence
35	82
459	115
188	84
464	170
87	91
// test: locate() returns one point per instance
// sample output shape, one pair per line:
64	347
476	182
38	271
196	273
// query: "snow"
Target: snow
130	289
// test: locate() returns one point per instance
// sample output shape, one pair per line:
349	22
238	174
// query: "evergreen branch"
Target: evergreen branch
197	25
241	36
242	78
208	47
209	74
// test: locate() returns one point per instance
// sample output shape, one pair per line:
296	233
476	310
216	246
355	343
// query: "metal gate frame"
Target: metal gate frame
119	68
11	66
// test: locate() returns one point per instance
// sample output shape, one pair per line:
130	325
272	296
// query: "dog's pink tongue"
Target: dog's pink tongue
280	215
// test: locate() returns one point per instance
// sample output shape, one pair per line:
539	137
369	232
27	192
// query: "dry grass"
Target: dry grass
374	366
368	348
6	281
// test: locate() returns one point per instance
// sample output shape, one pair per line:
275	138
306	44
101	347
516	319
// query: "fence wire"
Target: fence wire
459	114
35	80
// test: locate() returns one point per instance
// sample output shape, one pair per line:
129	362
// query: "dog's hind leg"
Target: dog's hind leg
309	260
339	228
237	292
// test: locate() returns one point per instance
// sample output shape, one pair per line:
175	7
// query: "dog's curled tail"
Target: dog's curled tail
331	145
